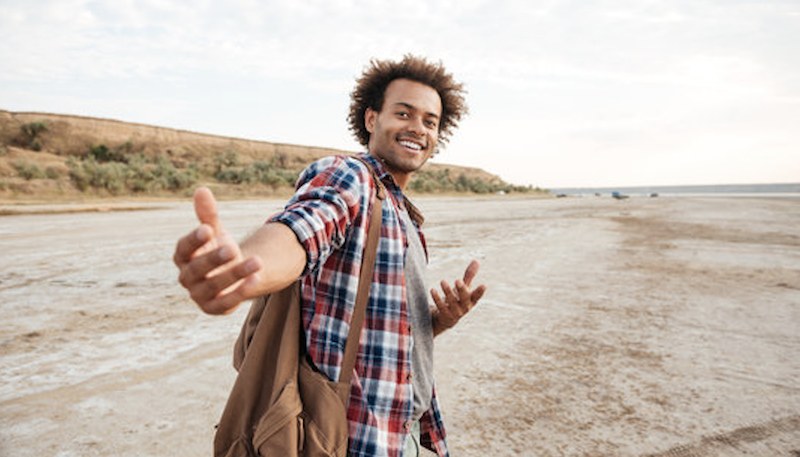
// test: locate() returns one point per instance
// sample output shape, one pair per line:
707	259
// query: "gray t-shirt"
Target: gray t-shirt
421	323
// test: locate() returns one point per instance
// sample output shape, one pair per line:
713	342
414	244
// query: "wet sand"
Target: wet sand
643	327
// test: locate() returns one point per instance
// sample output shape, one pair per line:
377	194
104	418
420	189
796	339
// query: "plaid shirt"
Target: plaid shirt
329	213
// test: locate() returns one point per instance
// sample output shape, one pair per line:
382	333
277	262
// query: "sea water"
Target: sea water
726	190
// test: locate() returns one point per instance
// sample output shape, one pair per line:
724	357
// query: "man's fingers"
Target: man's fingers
189	244
471	272
437	299
225	304
205	206
449	295
477	294
463	294
213	287
222	293
247	289
199	267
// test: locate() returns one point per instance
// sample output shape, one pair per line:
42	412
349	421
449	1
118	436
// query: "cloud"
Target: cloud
548	79
508	42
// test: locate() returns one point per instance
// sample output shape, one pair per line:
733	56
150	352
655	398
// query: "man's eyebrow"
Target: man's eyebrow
413	108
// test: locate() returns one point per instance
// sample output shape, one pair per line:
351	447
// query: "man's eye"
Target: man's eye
431	124
402	114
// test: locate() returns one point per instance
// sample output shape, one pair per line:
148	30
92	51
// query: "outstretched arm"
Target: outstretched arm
457	300
219	273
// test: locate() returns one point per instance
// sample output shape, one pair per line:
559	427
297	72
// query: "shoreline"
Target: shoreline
39	207
10	207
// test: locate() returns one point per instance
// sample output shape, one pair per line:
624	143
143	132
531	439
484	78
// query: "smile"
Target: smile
410	145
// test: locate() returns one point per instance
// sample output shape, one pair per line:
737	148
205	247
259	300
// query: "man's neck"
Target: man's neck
400	178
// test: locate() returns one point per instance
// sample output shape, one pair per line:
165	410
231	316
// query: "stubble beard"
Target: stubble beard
411	165
394	160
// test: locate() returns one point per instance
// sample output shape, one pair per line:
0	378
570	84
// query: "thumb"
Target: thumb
205	206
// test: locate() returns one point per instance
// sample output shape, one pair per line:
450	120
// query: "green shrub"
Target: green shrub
426	181
52	173
90	173
78	174
166	176
225	161
280	160
30	133
126	148
137	175
230	175
257	172
103	154
421	185
28	170
109	176
32	129
271	174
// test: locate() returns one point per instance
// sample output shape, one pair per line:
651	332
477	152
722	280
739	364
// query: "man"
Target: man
399	111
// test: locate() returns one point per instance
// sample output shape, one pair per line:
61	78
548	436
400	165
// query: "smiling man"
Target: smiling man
400	111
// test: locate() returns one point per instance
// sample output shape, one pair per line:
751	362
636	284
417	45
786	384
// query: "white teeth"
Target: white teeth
411	145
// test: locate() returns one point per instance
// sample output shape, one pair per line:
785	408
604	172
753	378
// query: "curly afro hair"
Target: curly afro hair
371	86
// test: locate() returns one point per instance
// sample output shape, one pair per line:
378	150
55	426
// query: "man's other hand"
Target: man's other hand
457	300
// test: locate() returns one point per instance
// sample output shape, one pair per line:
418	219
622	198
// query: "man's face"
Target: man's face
404	133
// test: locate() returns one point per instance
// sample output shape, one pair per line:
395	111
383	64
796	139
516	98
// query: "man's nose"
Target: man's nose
416	126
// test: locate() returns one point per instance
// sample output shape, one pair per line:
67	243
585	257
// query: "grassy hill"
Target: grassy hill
54	157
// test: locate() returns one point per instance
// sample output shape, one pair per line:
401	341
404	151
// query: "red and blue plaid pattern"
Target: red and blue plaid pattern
329	215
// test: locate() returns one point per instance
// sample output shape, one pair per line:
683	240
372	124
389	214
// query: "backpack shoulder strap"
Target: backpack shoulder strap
364	284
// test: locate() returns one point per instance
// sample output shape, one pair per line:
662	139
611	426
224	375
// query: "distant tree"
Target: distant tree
30	134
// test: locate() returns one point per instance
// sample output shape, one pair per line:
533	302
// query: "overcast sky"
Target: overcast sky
561	93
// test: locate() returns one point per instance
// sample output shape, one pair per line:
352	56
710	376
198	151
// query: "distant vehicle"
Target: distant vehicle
653	195
561	195
618	195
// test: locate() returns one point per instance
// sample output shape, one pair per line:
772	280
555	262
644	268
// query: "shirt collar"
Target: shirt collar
392	187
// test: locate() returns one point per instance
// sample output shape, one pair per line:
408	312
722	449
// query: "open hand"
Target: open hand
457	300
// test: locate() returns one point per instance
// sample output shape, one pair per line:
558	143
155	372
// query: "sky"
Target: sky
594	93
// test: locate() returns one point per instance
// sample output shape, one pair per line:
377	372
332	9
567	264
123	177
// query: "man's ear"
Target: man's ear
370	117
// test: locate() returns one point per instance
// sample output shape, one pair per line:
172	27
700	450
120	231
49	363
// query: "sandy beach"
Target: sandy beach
662	326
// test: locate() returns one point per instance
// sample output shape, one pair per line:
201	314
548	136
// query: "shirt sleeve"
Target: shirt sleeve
329	195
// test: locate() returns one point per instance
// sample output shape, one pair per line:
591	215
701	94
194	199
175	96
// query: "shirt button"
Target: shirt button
409	377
